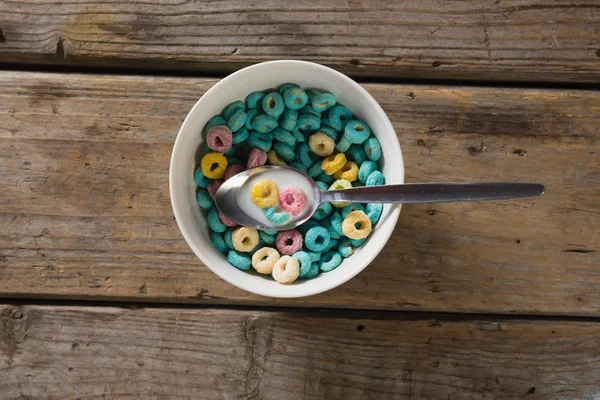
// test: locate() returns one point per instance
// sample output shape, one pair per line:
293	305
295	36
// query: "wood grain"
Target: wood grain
516	40
86	213
90	352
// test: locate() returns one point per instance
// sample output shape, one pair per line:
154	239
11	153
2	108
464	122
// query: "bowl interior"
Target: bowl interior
237	86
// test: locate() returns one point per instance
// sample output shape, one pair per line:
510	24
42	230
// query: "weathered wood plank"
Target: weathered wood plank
86	212
81	352
526	40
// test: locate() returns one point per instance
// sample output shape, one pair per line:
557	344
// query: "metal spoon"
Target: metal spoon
226	197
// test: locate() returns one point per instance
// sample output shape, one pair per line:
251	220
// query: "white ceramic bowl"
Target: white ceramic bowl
237	86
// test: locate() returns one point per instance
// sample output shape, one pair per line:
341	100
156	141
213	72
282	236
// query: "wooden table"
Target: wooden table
102	298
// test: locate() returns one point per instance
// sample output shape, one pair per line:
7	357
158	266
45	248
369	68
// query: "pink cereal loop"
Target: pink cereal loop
226	220
213	187
292	200
288	242
256	158
219	138
233	170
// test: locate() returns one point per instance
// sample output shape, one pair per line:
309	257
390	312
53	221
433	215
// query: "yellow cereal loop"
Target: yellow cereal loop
286	270
213	165
348	172
265	193
321	144
356	225
264	260
244	239
273	159
333	163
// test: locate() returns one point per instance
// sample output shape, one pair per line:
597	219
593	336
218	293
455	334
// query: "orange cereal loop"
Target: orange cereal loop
265	193
356	225
333	163
213	165
244	239
273	159
348	172
321	144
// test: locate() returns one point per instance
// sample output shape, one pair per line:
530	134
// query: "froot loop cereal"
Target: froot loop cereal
308	130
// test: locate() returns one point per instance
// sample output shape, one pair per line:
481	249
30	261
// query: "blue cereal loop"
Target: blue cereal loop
304	261
322	101
299	136
308	123
214	121
260	141
214	223
333	244
336	223
357	242
251	114
327	179
329	131
323	211
372	149
283	88
295	98
373	211
241	135
203	199
264	123
330	261
268	239
239	260
273	104
237	120
344	248
299	166
285	152
232	109
227	237
357	131
314	255
352	207
306	156
254	100
230	152
357	154
326	223
375	179
275	217
288	119
343	145
315	170
311	93
201	180
307	109
339	116
233	161
205	148
312	272
365	170
218	242
284	137
272	232
322	185
306	226
317	238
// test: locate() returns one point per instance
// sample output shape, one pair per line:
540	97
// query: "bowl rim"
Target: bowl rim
310	290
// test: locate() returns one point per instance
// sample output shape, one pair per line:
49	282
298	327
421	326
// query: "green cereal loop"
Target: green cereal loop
336	223
357	242
357	154
357	131
295	98
201	180
308	123
373	211
323	102
312	272
214	121
339	185
237	120
284	137
203	199
339	116
322	212
273	104
314	255
330	261
307	109
218	242
329	131
239	260
365	170
304	261
299	136
299	166
375	179
254	100
344	248
306	156
251	114
306	226
228	238
283	88
285	152
343	145
264	123
288	119
260	141
265	237
232	109
326	179
322	185
214	222
333	244
352	207
373	149
317	238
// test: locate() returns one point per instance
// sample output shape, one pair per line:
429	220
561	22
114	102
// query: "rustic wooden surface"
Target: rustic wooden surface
86	212
91	352
525	40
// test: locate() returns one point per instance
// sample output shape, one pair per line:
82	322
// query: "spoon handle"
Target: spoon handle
434	192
